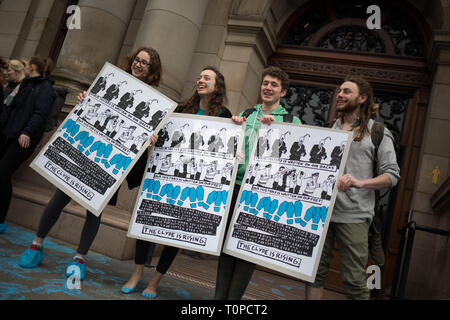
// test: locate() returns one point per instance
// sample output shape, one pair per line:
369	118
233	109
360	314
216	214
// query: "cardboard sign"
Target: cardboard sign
186	191
287	197
102	138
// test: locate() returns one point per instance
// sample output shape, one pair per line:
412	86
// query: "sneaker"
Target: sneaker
72	268
32	257
3	227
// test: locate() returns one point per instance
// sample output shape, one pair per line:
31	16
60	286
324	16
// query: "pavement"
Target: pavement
191	277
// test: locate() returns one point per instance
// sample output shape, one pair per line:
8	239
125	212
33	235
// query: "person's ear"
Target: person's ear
362	98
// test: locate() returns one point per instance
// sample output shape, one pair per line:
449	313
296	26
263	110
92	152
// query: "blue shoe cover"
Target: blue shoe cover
32	257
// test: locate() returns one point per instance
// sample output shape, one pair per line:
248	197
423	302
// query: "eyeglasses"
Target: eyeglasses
142	62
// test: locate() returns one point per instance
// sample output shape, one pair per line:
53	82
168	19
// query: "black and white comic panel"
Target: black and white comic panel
286	200
98	142
186	190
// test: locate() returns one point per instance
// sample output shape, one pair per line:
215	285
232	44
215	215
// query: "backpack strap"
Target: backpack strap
377	134
248	112
288	118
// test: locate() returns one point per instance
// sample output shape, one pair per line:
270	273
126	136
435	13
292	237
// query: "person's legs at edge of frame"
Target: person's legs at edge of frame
352	245
314	291
88	234
352	241
233	274
12	155
34	255
165	260
227	263
140	256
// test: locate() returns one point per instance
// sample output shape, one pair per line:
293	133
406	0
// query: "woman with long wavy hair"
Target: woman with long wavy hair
144	64
208	99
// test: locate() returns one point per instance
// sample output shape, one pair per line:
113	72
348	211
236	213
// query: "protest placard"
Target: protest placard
102	138
287	196
186	191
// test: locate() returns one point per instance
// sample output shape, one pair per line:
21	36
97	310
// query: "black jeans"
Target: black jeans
165	260
233	274
12	155
53	211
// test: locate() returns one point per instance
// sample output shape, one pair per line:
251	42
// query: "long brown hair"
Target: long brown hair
44	66
369	109
217	100
154	70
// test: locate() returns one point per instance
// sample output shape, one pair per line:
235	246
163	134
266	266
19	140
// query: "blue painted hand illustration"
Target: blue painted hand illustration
200	195
72	129
193	197
106	154
166	190
316	214
298	208
184	195
84	140
156	188
175	193
148	186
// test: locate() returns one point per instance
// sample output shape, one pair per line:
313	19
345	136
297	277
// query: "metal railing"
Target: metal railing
406	246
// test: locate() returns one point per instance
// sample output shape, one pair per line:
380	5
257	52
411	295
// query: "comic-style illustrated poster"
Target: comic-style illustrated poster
287	197
187	188
102	138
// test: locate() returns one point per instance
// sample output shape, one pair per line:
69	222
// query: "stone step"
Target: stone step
28	203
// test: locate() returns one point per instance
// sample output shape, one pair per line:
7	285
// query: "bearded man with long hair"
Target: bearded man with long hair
355	202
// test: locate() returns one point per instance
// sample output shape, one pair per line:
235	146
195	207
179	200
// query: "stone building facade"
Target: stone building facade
317	42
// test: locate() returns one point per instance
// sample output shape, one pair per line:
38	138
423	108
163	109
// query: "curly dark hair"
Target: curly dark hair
155	68
217	100
278	73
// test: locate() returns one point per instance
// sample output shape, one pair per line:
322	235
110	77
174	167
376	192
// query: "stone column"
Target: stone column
210	43
251	39
13	20
172	28
84	52
430	253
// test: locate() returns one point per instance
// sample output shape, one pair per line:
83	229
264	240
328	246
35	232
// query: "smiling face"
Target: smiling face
271	91
206	82
348	98
10	74
140	67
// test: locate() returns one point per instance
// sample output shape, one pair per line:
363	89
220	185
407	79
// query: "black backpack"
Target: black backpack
51	120
286	117
376	134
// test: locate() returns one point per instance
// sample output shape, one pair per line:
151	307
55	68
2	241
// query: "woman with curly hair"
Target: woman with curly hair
145	65
208	99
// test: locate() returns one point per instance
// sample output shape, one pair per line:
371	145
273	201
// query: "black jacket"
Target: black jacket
2	98
10	88
29	109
